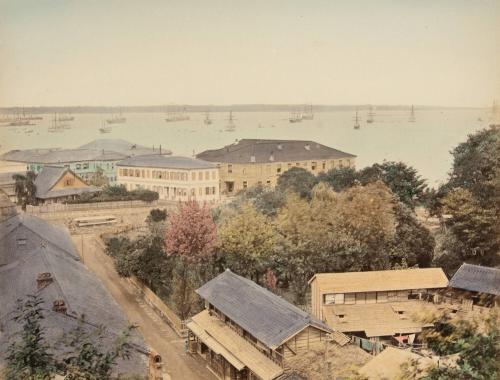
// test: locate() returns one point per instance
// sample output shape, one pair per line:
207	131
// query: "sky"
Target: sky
107	52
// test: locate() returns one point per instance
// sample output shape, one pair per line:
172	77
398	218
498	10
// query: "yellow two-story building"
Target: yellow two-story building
250	162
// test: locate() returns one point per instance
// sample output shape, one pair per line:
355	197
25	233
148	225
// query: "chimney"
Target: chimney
43	280
59	306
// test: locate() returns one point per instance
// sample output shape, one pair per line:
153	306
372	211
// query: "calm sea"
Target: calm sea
424	144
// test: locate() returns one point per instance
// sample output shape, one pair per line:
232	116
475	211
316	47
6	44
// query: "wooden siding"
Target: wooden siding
307	339
69	181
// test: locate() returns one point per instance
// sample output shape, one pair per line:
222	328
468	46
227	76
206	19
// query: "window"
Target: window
313	166
78	166
278	168
360	297
289	165
229	168
392	296
21	241
268	182
193	176
69	182
381	297
329	299
245	184
85	165
200	176
207	176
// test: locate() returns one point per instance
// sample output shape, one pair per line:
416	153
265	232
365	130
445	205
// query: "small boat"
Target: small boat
308	114
105	128
207	119
371	115
20	123
356	121
295	117
117	119
230	127
176	116
412	119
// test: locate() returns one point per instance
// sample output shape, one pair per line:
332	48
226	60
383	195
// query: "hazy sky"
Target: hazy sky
100	52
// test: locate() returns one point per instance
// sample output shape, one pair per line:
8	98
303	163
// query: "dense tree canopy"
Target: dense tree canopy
25	189
297	180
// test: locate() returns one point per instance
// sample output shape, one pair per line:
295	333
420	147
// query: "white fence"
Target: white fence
61	207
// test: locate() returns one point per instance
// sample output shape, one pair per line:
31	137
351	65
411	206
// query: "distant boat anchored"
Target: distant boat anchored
117	119
308	114
67	117
412	119
207	119
176	116
57	125
371	115
230	127
295	117
356	120
105	128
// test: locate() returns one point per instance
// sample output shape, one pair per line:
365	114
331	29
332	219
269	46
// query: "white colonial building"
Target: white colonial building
172	177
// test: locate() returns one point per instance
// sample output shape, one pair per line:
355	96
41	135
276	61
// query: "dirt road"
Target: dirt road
158	335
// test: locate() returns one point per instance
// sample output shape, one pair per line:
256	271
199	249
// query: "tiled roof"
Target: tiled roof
266	316
49	176
167	162
30	246
477	278
405	279
268	151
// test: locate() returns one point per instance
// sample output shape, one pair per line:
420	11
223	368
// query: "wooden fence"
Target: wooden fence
160	308
62	207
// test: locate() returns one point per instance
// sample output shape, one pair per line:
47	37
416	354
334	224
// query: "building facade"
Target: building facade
247	332
173	178
251	162
98	156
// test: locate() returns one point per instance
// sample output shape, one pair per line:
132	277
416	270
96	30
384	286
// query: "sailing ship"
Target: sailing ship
356	120
177	116
105	128
66	117
411	119
57	125
230	127
20	123
371	115
308	114
207	119
295	117
117	119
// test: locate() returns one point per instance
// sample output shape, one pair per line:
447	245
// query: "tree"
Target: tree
472	226
156	215
25	189
264	199
340	178
98	178
247	239
191	233
297	180
403	180
29	356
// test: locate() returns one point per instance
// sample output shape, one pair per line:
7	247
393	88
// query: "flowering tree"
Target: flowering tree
191	233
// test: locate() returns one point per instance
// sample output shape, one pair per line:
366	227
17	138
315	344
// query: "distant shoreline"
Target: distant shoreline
219	108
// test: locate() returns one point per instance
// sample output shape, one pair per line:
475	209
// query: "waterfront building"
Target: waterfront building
85	161
174	178
250	162
37	257
56	184
247	332
376	306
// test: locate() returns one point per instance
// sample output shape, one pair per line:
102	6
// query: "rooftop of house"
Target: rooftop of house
166	162
477	279
387	364
267	151
30	248
96	150
226	342
266	316
378	319
49	177
373	281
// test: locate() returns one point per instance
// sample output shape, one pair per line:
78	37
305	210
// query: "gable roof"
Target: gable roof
167	162
373	281
268	151
47	248
266	316
49	176
477	278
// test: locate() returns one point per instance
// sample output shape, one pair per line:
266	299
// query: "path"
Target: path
158	335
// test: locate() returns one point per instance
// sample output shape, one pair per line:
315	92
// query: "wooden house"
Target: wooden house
247	332
58	184
375	305
474	286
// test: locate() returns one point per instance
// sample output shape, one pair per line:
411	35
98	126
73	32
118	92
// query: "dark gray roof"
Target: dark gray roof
266	316
477	279
47	248
124	147
267	151
26	155
49	176
167	162
58	156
